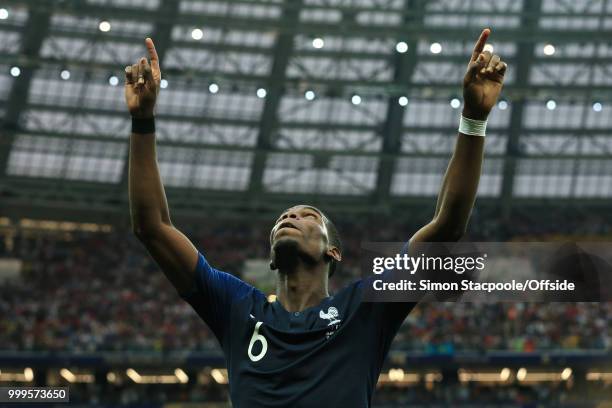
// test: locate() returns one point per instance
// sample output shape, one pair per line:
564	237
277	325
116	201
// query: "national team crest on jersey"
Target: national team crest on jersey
332	315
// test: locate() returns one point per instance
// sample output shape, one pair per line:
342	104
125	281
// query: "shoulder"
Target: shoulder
350	290
209	279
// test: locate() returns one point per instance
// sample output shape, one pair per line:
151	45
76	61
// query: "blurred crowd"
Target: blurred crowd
82	291
444	328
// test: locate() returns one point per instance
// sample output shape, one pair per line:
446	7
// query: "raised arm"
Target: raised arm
150	217
482	85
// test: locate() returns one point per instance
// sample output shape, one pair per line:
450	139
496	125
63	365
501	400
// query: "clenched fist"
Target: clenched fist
483	80
142	84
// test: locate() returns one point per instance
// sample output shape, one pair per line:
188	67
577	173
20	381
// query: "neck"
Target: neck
302	287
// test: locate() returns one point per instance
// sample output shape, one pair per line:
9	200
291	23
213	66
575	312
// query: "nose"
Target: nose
290	214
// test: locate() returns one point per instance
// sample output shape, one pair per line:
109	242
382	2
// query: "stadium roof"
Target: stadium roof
227	146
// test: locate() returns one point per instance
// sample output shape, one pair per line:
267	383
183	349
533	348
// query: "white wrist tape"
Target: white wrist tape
472	127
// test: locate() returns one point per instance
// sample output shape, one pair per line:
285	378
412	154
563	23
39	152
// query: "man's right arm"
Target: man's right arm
171	249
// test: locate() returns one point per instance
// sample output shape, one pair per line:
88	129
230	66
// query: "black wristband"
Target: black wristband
143	125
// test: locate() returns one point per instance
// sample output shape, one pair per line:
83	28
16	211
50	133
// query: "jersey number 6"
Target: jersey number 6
255	338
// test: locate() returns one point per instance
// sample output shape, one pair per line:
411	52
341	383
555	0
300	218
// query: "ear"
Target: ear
333	253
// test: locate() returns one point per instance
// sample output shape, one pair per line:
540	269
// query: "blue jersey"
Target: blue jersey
329	355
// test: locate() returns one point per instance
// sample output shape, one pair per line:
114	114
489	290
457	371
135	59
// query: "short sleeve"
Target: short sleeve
388	316
212	296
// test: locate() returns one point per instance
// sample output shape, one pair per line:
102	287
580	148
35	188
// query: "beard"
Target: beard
286	254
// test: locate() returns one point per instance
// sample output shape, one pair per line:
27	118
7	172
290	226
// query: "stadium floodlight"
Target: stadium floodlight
181	375
219	375
595	375
26	375
163	84
455	103
113	80
435	48
65	74
535	376
133	375
309	95
15	71
566	373
82	377
484	375
3	14
104	26
597	106
178	376
401	47
261	93
549	49
402	100
197	34
213	88
356	99
502	105
396	374
318	43
551	104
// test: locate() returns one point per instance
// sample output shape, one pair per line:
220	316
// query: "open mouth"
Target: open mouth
286	224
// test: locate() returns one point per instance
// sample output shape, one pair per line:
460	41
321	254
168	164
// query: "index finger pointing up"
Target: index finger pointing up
479	47
152	54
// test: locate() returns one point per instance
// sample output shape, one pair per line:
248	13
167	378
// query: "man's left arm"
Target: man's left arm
482	85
